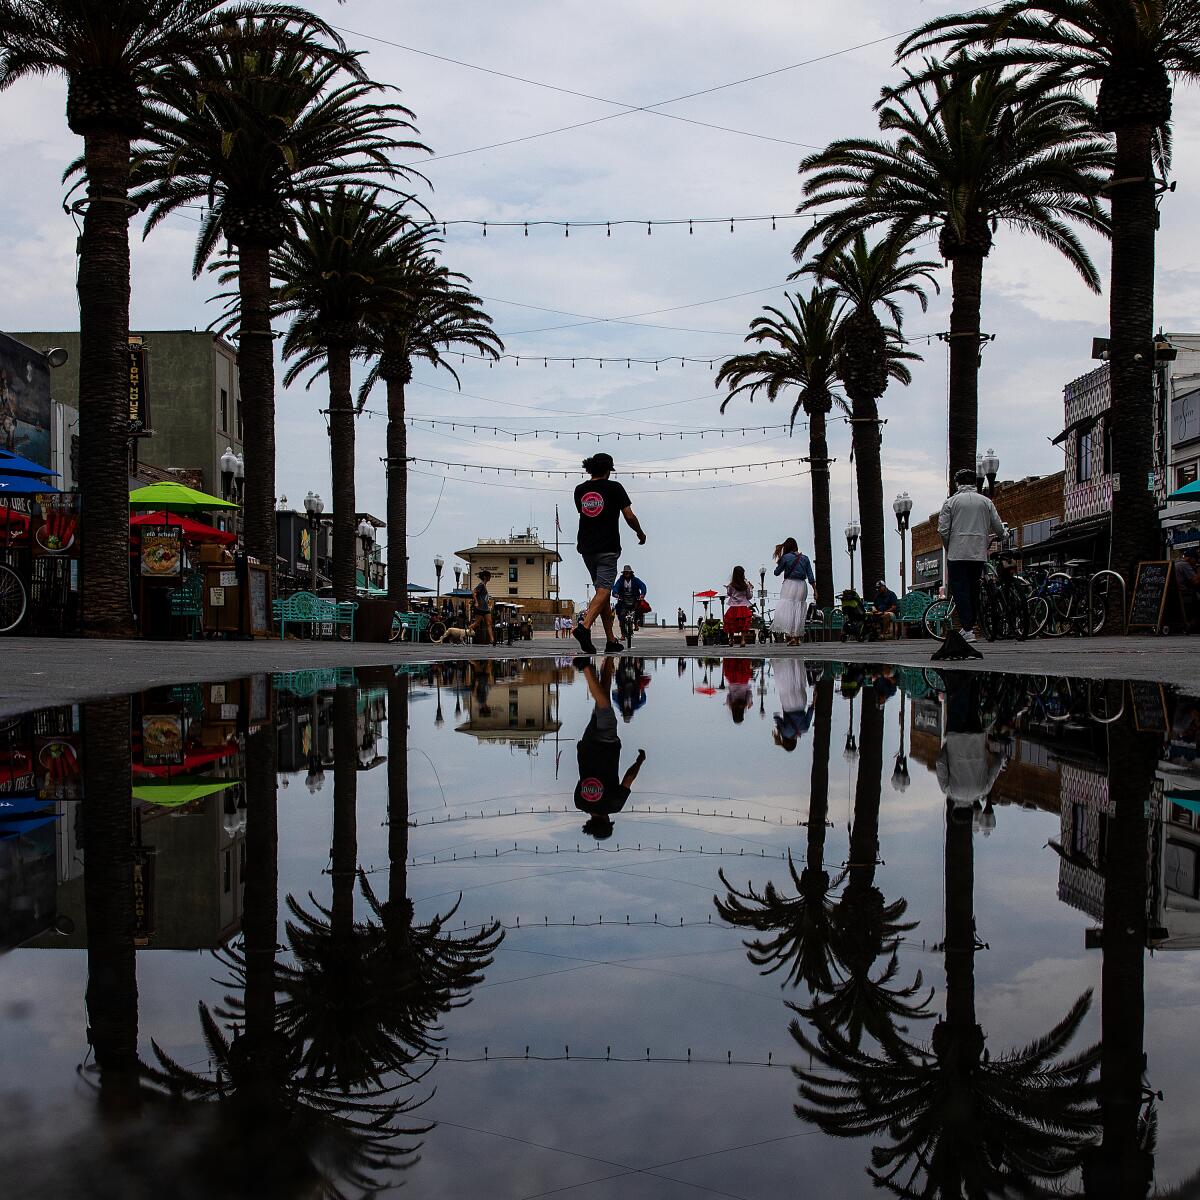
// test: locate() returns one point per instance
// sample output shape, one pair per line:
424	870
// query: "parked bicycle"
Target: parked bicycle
1060	605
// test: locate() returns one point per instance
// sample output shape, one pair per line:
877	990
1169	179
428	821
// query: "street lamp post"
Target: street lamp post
314	506
990	462
438	563
853	529
902	507
762	595
229	463
366	535
458	576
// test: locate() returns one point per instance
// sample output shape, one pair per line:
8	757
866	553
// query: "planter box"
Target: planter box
692	639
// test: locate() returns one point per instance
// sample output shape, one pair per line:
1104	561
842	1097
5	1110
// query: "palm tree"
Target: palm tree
801	926
111	56
1130	48
341	263
973	149
250	127
432	313
803	356
869	355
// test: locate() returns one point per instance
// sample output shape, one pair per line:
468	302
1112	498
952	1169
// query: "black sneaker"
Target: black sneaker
583	636
614	647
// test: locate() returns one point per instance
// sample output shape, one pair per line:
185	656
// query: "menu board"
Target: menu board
1150	595
56	532
162	551
1149	707
162	740
258	580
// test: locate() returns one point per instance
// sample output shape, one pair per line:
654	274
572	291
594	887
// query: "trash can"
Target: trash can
373	620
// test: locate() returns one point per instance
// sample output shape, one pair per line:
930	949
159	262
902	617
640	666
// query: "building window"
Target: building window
512	591
224	415
512	574
1185	418
1038	531
1186	474
237	408
529	562
512	562
1083	456
1106	434
227	880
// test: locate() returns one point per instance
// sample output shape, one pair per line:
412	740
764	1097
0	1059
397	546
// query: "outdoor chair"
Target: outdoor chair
187	603
912	612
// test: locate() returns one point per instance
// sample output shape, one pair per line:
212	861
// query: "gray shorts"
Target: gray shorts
602	727
602	568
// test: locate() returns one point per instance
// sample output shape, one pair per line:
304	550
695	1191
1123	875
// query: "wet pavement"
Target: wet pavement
661	926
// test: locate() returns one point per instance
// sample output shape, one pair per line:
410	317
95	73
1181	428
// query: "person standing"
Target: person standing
966	524
739	606
601	503
682	618
1187	584
481	611
792	609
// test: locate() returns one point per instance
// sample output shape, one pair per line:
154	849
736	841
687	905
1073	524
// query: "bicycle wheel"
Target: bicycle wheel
13	600
989	617
627	626
436	630
939	618
397	630
1039	614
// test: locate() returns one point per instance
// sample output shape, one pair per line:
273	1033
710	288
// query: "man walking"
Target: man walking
966	524
601	502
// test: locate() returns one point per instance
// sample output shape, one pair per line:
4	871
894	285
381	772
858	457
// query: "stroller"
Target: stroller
857	622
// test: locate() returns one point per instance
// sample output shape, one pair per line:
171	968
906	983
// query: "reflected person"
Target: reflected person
602	790
967	764
791	682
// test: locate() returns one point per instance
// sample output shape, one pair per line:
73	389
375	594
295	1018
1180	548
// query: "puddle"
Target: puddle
661	928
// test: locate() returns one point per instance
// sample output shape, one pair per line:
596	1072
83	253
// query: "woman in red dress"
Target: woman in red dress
739	611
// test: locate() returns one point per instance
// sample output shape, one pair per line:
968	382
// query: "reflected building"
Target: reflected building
518	712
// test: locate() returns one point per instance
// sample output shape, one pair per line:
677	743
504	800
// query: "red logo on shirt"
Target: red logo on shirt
592	504
591	791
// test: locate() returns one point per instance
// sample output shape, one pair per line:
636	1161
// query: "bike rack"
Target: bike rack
1091	710
1091	596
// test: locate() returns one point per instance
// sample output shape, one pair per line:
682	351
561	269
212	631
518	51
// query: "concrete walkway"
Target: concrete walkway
46	671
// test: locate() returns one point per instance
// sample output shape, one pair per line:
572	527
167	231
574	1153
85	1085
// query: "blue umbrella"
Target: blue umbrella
15	829
1189	491
23	485
14	464
22	806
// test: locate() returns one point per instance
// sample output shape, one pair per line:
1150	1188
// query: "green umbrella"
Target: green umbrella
181	791
174	497
1189	491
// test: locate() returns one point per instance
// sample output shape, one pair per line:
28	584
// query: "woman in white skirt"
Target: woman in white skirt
792	609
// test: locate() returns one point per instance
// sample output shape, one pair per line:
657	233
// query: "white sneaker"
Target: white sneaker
968	635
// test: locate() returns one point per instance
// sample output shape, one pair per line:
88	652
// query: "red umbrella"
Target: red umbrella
193	531
707	595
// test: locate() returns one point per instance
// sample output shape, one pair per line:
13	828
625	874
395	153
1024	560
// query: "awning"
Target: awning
1070	429
14	464
193	531
175	497
1188	800
181	791
1061	539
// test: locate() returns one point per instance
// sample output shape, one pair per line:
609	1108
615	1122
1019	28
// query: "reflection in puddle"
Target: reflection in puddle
460	927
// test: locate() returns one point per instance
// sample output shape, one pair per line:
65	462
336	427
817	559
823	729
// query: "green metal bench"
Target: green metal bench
303	608
409	626
187	603
912	610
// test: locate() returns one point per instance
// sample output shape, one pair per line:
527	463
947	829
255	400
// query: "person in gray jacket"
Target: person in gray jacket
966	525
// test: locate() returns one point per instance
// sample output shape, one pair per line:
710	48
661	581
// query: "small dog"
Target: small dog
453	634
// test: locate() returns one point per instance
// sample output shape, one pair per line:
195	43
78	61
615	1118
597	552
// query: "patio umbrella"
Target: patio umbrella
14	464
1189	491
419	587
194	531
709	594
23	485
180	791
175	497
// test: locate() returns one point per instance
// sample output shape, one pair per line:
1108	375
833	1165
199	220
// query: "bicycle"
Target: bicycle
1067	606
627	620
13	599
992	617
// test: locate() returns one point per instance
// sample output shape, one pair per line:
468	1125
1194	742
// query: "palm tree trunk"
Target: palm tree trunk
1120	1166
1136	532
260	909
818	457
864	836
398	791
103	286
963	416
256	379
341	460
959	947
110	903
344	849
869	474
397	493
818	780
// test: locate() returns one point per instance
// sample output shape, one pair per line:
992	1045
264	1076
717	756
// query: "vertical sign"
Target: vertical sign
139	393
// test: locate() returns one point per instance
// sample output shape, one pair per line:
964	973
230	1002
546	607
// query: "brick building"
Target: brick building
1032	509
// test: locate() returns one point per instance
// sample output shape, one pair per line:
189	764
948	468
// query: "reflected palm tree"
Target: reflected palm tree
798	931
1121	1167
111	905
958	1121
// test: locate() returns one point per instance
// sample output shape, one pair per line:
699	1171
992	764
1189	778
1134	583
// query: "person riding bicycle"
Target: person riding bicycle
628	593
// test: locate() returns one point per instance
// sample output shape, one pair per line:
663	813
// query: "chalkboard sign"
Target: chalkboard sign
1150	595
1149	707
258	581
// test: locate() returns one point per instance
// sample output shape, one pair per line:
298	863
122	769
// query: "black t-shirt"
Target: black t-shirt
599	788
599	503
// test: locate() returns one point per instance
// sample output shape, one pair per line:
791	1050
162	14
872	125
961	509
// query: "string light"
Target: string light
477	427
609	224
660	473
626	360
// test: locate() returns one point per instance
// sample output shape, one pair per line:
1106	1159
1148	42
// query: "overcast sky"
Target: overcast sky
700	290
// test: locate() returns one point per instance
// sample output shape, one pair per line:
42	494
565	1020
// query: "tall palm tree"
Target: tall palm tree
1130	48
801	927
803	356
868	278
972	149
432	312
112	56
249	127
341	263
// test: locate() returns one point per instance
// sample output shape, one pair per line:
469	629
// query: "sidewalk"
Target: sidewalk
44	671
